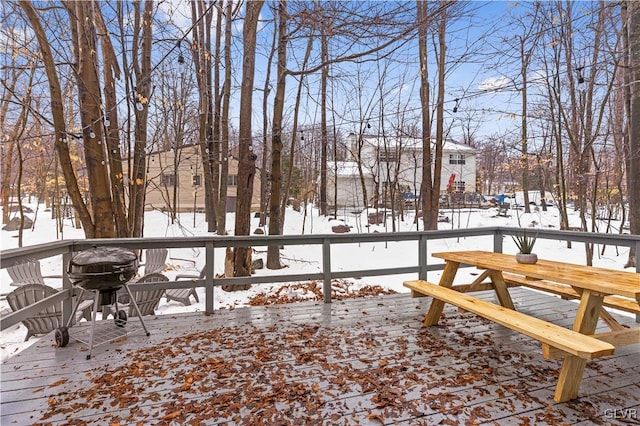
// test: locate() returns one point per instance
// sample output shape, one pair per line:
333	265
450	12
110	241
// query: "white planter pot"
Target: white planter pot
528	258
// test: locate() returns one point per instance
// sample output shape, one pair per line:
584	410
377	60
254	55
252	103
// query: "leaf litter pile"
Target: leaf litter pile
340	290
343	373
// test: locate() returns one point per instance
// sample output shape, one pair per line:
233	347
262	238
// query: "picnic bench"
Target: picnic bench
621	303
577	345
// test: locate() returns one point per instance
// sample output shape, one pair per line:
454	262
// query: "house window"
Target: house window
232	180
197	180
388	157
457	159
458	186
168	179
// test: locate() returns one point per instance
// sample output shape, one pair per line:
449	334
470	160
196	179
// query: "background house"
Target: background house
177	175
393	167
349	185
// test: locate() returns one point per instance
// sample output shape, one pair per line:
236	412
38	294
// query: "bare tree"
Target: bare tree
247	160
633	151
111	72
273	252
201	16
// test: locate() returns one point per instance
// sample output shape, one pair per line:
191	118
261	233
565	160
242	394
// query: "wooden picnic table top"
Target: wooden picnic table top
601	280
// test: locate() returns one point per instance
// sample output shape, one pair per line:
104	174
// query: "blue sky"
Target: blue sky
470	87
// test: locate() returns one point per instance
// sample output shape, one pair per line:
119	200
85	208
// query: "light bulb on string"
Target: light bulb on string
580	76
92	134
107	122
139	105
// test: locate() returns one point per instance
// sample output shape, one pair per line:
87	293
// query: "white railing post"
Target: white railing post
326	269
497	241
422	257
209	276
67	304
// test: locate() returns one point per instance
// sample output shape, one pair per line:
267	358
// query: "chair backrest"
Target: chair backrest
26	273
44	321
147	300
203	272
156	260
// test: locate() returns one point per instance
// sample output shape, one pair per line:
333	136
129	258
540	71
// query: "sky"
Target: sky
468	83
305	259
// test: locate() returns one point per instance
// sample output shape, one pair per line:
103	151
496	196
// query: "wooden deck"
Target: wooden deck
364	361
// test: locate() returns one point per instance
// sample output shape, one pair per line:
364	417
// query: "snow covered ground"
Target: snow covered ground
299	259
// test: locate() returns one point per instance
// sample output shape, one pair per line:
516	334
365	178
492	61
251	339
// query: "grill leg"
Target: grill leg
135	306
75	308
96	303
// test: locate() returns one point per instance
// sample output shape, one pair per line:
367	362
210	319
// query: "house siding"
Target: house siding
160	180
385	158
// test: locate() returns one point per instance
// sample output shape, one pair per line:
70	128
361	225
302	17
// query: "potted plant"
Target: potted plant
525	245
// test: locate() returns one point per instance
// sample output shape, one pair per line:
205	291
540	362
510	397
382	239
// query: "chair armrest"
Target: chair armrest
183	276
182	259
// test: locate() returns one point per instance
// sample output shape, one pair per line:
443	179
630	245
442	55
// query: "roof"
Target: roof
348	168
416	143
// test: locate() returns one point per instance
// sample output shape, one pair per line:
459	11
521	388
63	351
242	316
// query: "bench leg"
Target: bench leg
501	290
570	378
573	367
435	310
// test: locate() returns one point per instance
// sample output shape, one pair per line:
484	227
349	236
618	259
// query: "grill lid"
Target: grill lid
103	267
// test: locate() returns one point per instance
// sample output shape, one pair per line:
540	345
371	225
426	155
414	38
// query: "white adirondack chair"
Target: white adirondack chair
28	273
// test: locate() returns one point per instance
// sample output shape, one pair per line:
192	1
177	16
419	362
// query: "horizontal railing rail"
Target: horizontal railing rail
209	243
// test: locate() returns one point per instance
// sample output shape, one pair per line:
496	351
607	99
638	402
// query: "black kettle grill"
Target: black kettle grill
104	271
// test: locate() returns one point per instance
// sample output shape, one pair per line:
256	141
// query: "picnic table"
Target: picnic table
595	287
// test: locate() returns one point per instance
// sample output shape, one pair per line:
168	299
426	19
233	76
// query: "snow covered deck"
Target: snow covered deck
362	361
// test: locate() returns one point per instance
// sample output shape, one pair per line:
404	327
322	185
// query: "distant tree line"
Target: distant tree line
89	89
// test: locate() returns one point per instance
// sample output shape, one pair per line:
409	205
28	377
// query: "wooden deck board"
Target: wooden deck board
466	368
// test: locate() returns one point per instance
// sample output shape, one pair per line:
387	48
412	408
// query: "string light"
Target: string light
455	108
580	77
180	57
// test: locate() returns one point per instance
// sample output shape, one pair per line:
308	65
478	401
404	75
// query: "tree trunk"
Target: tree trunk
202	61
247	161
633	175
434	203
273	251
426	184
524	152
142	70
91	119
111	73
323	124
265	187
219	153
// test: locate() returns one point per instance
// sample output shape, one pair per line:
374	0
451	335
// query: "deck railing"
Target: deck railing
209	243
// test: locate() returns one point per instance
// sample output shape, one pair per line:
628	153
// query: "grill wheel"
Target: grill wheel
62	337
121	318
